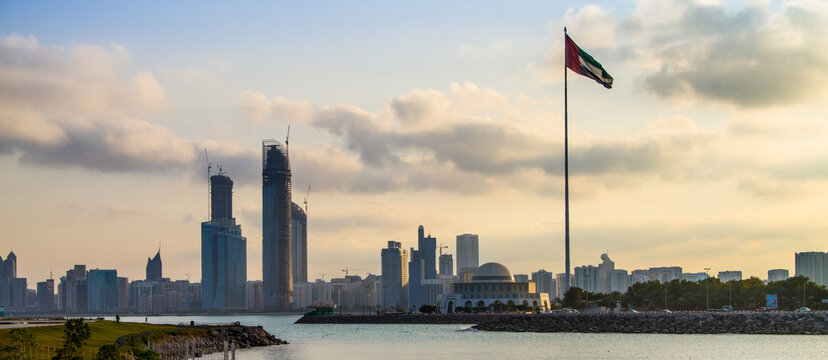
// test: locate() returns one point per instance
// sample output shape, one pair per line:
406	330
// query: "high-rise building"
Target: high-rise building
813	265
223	255
778	275
299	245
394	275
415	278
446	265
46	296
467	253
154	272
221	197
560	285
604	268
618	280
586	278
72	290
428	253
101	290
664	274
8	267
277	268
726	276
122	284
545	282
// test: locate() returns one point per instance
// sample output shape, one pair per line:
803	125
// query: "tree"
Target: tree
75	334
573	297
21	339
145	354
109	352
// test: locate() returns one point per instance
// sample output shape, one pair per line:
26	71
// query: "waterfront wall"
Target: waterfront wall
666	323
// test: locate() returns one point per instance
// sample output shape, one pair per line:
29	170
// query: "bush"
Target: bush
109	352
75	334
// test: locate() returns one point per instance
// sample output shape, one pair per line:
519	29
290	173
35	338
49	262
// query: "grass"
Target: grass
102	333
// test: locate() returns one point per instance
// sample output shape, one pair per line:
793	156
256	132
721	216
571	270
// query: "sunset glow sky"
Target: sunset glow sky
711	150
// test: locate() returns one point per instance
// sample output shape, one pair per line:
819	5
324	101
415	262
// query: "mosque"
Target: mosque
491	285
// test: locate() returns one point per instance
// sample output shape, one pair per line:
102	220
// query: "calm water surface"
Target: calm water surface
313	341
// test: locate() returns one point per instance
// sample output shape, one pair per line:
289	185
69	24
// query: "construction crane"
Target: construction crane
306	200
347	270
323	276
442	247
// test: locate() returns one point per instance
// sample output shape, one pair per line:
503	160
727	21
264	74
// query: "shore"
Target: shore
659	323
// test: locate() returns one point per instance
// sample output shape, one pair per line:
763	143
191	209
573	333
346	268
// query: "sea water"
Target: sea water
361	341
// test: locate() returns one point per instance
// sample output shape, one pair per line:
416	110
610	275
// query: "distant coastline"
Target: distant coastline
781	323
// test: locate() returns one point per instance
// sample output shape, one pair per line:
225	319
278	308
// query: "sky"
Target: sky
710	150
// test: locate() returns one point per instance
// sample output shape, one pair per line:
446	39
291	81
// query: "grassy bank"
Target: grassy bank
102	333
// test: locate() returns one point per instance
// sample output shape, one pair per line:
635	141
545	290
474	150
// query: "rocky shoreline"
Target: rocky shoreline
658	323
204	340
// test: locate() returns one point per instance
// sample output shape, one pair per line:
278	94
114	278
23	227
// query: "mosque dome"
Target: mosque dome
492	272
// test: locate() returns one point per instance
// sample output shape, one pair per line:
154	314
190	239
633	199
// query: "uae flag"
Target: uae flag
582	63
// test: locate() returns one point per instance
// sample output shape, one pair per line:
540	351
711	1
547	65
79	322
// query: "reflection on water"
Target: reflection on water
360	341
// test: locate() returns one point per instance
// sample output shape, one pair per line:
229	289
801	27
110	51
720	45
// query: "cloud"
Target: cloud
72	108
750	58
258	107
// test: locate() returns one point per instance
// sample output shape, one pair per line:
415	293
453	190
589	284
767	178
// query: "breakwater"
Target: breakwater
200	340
671	323
660	323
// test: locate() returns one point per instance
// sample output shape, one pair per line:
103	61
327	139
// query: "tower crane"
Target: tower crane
209	168
347	270
442	247
306	200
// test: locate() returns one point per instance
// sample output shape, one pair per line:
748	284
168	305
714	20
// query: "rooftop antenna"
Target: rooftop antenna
209	194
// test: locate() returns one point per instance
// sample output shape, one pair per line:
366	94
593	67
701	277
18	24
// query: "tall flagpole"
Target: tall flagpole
566	166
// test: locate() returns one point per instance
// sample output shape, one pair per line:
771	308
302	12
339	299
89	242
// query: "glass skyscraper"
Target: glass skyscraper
223	252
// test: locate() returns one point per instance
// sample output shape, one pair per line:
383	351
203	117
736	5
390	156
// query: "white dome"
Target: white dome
492	272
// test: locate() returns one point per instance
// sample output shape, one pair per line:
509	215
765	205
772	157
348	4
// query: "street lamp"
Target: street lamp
707	296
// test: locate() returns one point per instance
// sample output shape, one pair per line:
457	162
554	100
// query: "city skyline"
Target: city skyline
402	115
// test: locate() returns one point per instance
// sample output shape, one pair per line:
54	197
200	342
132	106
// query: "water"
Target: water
314	341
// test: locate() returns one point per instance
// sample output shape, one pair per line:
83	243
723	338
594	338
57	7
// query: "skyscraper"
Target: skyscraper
467	253
8	267
446	264
299	245
277	269
604	268
394	275
154	267
813	265
415	279
46	295
101	290
223	253
428	253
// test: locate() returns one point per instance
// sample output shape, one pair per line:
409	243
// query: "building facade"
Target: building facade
101	290
467	253
493	288
223	253
299	243
46	296
727	276
813	265
446	265
394	275
277	267
778	275
154	270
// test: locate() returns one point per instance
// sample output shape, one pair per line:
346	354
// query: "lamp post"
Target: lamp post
707	296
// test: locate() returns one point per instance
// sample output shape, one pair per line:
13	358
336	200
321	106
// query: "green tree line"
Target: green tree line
749	294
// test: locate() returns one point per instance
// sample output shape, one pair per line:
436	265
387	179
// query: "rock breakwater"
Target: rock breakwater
664	323
201	340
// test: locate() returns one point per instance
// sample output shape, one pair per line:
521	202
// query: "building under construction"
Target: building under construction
300	243
277	268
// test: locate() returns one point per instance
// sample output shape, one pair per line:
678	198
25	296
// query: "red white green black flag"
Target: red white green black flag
582	63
